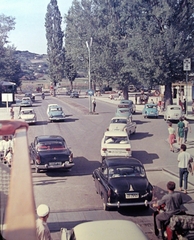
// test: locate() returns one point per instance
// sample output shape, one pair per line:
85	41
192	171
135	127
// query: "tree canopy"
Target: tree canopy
133	41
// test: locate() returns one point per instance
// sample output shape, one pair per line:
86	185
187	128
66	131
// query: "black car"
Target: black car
74	94
122	182
50	152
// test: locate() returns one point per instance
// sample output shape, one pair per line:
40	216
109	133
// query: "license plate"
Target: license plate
118	152
131	195
54	163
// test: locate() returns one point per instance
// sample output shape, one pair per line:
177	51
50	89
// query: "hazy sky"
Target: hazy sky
29	33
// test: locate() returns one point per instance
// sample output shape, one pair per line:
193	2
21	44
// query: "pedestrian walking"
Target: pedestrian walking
183	159
11	113
186	129
94	104
180	131
172	136
42	230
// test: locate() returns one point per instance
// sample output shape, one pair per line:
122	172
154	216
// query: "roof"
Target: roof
115	161
109	229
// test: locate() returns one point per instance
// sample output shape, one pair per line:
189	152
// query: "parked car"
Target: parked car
50	152
123	111
132	106
55	113
74	94
150	110
122	182
26	102
122	124
28	115
104	230
115	143
173	112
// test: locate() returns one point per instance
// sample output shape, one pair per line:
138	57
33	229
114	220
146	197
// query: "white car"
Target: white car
28	115
104	230
115	144
173	112
122	124
26	102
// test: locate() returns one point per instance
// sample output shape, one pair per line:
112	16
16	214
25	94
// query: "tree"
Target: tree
54	36
70	71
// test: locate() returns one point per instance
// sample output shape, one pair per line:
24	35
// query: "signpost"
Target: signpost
186	67
7	97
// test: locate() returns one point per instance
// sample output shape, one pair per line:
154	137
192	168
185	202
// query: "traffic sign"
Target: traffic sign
90	92
187	64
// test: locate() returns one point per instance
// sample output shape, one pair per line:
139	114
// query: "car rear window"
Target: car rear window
44	146
116	140
132	171
119	121
175	108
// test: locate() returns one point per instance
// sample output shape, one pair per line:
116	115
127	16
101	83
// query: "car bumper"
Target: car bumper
30	121
129	154
119	204
57	118
65	165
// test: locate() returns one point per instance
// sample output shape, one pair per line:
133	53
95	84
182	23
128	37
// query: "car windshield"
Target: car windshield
119	121
50	145
27	112
174	108
131	171
56	109
116	140
151	106
124	105
124	111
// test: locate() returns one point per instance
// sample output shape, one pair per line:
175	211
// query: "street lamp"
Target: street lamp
89	75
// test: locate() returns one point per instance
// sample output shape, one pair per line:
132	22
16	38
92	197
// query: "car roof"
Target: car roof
115	133
126	101
151	104
27	109
109	229
52	105
49	137
122	161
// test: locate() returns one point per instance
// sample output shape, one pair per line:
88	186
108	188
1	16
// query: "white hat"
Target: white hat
43	210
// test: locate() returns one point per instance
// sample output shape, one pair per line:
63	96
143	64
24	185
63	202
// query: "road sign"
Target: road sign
90	92
187	64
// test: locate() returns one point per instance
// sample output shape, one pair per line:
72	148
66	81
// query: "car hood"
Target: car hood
120	126
129	184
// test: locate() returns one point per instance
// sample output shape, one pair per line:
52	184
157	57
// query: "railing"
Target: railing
20	210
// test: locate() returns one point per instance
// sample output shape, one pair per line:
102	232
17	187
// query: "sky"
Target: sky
29	33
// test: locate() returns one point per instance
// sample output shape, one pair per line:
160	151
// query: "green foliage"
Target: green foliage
133	41
54	36
9	66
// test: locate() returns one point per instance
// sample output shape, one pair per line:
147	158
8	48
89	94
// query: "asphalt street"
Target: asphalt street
157	175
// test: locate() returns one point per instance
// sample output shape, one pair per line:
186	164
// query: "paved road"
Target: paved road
76	199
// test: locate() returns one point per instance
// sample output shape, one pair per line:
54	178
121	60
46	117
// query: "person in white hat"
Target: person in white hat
42	230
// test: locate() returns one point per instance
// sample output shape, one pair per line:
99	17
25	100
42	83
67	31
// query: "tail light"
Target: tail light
107	129
71	157
38	159
104	149
128	149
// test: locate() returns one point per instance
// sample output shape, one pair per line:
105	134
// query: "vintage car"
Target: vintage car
104	230
122	182
123	111
26	102
31	96
132	106
150	110
122	124
55	113
74	94
28	115
50	152
173	113
115	143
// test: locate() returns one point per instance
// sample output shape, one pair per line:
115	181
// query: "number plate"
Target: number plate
54	163
131	195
